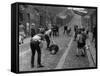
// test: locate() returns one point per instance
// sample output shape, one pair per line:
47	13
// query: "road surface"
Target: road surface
64	59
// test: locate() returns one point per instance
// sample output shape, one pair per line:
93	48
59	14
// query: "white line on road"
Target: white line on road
62	60
90	53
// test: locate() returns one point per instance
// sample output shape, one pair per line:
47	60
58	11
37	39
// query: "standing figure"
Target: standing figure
81	43
76	31
32	30
57	30
68	31
54	30
65	29
36	44
27	29
47	37
21	39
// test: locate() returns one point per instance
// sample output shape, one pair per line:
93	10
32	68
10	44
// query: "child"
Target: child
53	48
81	42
